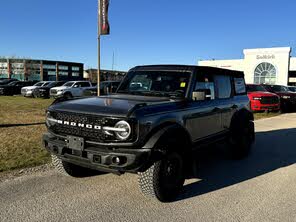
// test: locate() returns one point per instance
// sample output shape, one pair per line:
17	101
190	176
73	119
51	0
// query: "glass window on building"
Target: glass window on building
76	74
18	76
34	77
3	65
47	66
75	68
61	73
63	68
17	65
265	73
51	73
52	78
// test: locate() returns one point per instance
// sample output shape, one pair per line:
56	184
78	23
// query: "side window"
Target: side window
84	84
77	85
240	86
205	82
223	86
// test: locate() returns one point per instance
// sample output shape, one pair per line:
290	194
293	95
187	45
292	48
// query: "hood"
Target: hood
5	86
260	94
113	105
30	87
61	87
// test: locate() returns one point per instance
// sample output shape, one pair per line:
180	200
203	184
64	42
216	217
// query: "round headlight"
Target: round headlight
125	130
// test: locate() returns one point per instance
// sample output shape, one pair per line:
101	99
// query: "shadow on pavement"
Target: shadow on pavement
272	150
21	124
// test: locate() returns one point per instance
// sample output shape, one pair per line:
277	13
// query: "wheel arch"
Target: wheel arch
168	130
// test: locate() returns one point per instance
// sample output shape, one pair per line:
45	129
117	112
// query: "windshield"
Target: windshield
277	88
156	83
39	84
12	83
292	89
46	83
255	88
68	84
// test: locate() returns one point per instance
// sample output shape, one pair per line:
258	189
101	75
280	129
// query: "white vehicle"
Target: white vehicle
70	89
28	90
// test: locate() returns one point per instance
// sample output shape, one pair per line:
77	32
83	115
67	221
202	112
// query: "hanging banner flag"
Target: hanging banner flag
103	21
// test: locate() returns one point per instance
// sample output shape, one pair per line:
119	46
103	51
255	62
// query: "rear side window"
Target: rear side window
240	86
84	84
223	86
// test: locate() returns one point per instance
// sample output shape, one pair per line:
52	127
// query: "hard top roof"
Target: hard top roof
185	68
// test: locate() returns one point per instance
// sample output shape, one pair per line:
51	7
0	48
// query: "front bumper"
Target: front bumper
98	157
257	106
56	95
27	93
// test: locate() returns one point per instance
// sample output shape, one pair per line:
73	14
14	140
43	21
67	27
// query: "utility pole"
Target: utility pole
113	61
99	46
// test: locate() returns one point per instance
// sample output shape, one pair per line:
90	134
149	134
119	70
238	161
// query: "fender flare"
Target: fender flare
163	132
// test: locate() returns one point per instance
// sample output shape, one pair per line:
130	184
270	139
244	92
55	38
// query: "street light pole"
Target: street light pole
99	45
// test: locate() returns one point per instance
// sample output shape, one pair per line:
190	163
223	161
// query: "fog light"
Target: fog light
116	160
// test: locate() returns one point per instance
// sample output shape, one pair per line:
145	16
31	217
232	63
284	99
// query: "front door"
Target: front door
204	119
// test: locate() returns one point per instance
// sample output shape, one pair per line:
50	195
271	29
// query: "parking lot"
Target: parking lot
261	187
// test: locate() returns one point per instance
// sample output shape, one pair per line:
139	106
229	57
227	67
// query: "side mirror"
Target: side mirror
201	94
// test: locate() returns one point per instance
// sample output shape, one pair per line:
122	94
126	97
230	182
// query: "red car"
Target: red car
261	99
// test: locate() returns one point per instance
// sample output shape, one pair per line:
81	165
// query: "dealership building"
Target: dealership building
266	65
40	70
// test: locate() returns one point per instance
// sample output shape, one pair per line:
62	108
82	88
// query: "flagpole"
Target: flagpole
99	45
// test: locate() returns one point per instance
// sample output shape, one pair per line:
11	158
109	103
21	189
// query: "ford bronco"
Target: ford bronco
152	125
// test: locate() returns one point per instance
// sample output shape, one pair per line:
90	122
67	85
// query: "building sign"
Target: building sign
265	57
103	20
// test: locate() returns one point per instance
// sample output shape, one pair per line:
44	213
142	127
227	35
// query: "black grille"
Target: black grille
53	91
89	134
269	100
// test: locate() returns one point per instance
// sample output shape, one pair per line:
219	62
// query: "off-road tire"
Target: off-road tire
241	139
153	184
69	169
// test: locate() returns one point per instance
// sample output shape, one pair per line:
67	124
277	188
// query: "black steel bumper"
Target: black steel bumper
115	160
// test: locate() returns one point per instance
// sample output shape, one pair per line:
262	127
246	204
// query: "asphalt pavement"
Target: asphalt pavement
261	187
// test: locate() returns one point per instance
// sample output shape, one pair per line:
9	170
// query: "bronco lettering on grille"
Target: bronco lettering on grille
80	125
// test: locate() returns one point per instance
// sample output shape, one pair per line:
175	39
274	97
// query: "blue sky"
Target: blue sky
145	31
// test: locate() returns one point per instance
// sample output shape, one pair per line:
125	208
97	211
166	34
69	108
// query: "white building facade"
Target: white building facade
266	65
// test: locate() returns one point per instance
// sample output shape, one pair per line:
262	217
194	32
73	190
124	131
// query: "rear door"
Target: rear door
224	97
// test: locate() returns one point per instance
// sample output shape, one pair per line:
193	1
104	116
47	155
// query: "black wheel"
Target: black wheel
241	140
164	179
68	96
69	169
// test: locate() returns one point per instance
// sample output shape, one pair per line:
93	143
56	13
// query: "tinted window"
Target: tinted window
46	83
203	82
84	84
276	88
255	88
60	83
68	84
39	84
156	83
239	85
223	86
